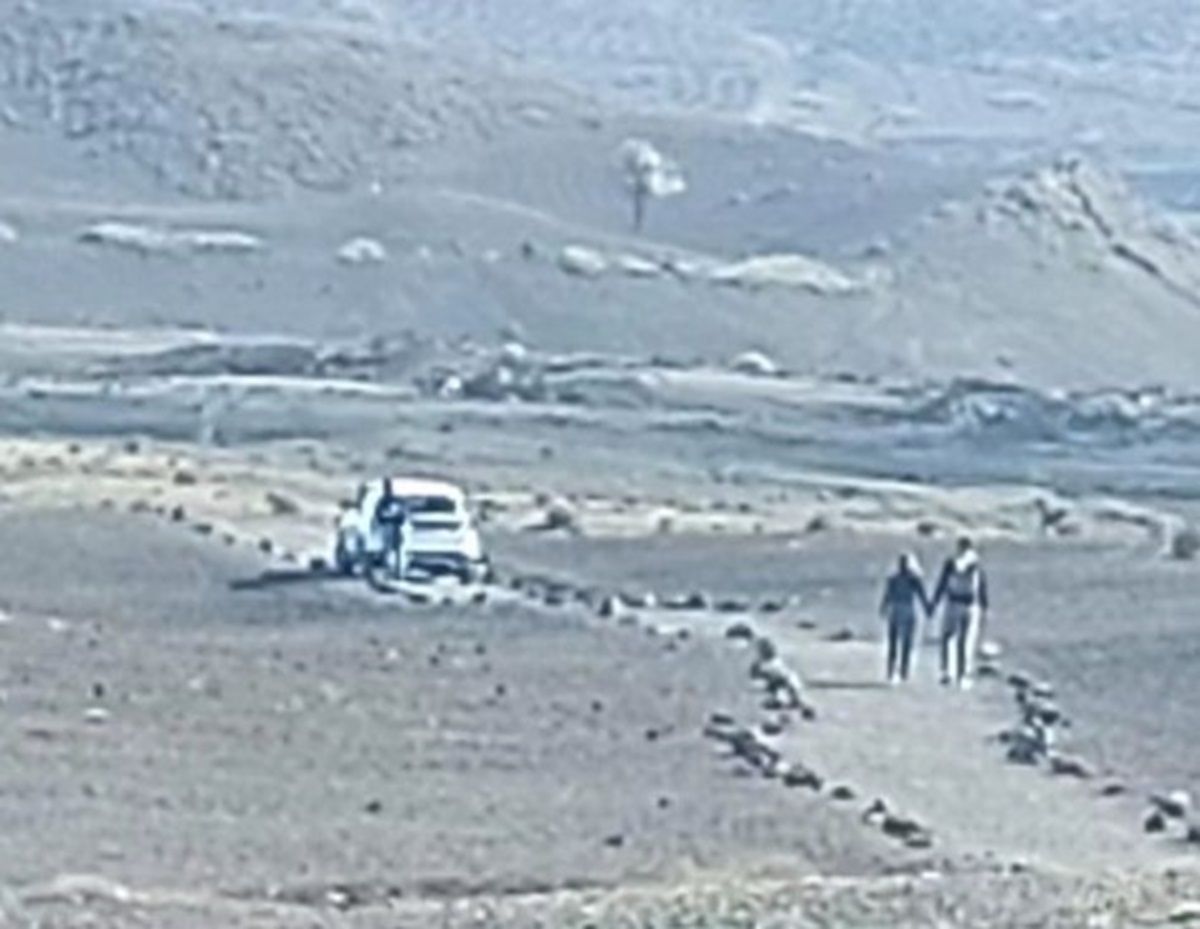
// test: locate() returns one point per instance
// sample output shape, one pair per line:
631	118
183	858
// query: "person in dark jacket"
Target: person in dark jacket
903	595
963	587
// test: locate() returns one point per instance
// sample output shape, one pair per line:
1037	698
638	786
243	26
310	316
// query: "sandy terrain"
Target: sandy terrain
169	731
903	273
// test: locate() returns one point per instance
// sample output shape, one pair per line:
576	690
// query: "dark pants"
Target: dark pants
902	628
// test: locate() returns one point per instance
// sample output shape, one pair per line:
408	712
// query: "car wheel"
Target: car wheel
344	559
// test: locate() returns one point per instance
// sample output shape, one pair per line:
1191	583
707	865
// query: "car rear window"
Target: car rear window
421	506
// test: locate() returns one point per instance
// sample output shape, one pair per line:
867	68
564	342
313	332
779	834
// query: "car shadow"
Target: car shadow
292	577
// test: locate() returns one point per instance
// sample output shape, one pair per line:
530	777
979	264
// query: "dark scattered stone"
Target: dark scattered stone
901	827
1019	681
615	841
1069	766
843	793
185	479
318	565
817	524
732	605
842	635
373	807
1176	804
266	546
178	514
772	727
611	608
741	632
801	777
1155	823
876	811
1114	789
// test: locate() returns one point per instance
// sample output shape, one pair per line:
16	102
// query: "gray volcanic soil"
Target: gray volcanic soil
1115	629
283	740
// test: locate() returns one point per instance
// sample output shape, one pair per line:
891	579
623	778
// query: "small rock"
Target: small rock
755	364
185	478
733	605
1176	804
362	251
772	727
1185	544
581	261
1155	823
612	608
842	636
1188	912
1019	681
741	632
178	514
876	811
1069	766
695	601
1113	789
318	565
901	827
615	841
280	505
991	651
843	793
96	716
801	777
373	807
817	524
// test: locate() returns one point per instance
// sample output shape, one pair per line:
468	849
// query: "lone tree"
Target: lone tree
649	174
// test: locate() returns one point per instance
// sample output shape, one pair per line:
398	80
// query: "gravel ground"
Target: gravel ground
1115	629
167	730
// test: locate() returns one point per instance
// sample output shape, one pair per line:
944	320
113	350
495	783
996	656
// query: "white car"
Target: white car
440	537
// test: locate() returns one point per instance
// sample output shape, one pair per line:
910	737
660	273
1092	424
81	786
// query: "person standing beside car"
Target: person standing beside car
392	515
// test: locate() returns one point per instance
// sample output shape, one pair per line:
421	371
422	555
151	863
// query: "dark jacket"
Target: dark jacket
903	593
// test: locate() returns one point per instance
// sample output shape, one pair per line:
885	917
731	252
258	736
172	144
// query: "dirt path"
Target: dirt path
928	752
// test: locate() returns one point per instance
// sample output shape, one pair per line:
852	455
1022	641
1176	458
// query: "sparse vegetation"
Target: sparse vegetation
649	175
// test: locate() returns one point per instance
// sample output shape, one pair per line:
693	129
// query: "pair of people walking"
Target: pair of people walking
962	588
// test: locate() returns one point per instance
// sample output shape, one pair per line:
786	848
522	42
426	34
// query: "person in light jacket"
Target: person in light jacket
964	590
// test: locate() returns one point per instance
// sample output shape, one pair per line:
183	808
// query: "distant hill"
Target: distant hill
346	169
